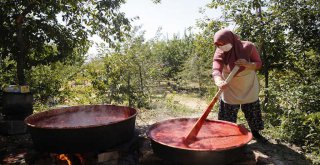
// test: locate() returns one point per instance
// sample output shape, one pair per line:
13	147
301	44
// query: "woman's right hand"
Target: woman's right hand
220	82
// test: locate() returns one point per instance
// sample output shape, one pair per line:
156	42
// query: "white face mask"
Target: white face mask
225	48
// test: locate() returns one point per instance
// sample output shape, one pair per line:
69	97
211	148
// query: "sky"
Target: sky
173	16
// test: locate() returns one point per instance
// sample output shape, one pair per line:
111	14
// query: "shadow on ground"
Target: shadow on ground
272	152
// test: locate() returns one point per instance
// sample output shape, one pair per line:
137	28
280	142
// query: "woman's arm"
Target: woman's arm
217	67
255	61
255	58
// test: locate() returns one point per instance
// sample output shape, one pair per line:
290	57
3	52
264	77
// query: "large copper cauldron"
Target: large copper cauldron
80	129
218	142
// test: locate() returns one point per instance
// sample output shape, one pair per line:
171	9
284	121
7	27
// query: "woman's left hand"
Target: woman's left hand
245	63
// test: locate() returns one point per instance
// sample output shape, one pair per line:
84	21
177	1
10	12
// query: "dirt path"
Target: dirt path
179	106
193	103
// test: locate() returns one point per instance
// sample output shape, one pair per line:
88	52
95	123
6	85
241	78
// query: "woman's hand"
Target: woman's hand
246	64
220	83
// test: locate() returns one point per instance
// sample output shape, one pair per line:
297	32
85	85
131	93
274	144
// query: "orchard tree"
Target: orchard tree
123	76
35	32
198	66
287	34
276	27
258	26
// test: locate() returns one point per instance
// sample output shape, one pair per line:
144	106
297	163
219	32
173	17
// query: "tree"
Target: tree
287	35
32	33
301	19
259	22
198	66
123	75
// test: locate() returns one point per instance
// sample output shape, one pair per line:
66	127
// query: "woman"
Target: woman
242	91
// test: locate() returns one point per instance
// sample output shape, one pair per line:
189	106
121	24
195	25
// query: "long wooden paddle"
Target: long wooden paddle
197	126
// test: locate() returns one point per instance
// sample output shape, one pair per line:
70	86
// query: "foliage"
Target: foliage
285	33
7	70
122	76
172	54
79	90
306	130
198	66
297	111
32	33
301	19
49	90
130	74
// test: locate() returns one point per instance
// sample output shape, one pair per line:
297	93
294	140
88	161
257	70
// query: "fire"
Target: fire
68	158
64	157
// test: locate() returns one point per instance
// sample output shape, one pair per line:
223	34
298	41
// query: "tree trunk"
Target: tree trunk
266	77
129	90
264	55
199	73
21	53
141	78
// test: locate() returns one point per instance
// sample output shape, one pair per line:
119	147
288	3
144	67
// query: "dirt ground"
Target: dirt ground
272	152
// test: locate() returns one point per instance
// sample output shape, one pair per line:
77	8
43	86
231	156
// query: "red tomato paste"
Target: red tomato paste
214	135
81	118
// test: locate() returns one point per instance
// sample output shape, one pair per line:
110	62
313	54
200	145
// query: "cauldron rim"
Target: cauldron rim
249	134
28	120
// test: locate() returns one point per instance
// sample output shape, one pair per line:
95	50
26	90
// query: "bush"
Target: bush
293	109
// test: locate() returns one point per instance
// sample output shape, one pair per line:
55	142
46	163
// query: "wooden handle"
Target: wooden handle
197	126
232	73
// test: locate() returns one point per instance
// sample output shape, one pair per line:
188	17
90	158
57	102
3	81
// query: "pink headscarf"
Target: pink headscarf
239	50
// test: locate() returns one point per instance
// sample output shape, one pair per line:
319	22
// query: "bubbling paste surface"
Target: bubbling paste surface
80	119
213	135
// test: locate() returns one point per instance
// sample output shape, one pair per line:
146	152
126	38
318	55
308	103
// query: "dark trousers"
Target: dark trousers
252	112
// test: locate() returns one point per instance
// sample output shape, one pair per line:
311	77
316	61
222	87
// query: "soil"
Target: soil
14	148
272	152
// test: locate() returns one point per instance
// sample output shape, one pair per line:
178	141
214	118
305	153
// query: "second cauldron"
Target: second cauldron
218	142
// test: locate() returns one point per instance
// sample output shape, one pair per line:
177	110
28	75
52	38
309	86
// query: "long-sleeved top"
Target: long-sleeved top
244	87
218	65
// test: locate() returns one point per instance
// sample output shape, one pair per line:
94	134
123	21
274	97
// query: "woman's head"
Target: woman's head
230	48
224	40
223	36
